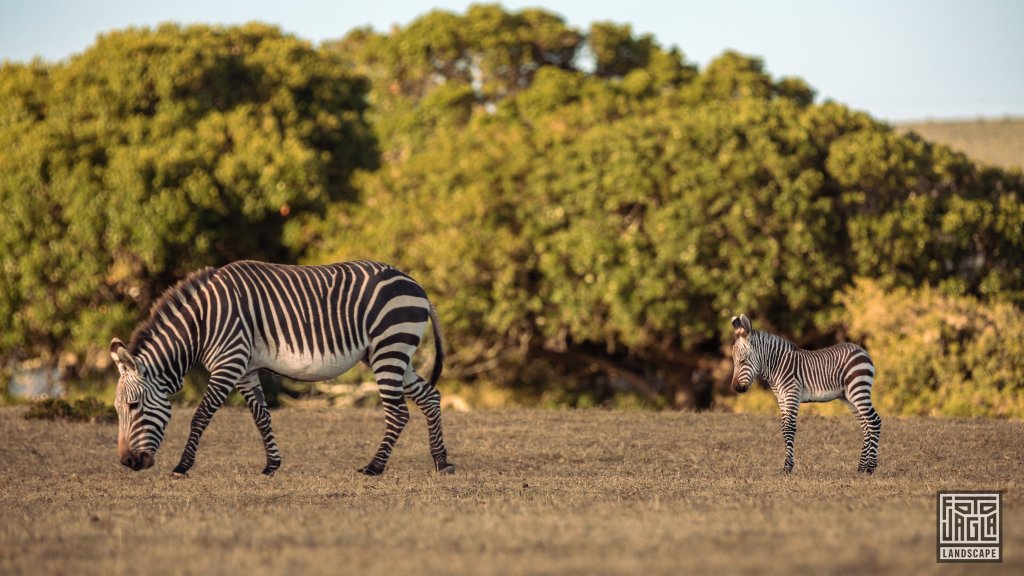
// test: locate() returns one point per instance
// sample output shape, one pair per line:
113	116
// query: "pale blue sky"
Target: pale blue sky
898	59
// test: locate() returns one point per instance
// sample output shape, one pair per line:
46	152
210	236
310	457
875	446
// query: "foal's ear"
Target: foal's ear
746	323
741	326
121	356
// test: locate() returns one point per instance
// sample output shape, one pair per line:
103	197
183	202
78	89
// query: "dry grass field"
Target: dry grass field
538	492
996	141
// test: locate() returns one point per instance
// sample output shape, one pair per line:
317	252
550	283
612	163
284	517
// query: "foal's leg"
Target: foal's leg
789	407
871	427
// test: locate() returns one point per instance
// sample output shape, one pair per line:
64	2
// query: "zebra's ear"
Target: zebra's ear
741	326
121	357
746	323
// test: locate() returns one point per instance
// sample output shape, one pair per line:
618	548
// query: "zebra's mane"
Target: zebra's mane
176	295
775	340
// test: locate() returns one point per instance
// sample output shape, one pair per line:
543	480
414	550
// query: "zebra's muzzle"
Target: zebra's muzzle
138	460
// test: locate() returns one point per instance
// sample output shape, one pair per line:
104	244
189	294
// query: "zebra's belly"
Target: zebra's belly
308	367
811	395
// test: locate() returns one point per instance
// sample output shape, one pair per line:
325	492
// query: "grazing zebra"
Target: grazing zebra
305	322
843	371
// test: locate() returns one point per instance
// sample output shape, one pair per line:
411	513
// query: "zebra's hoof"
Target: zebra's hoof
370	471
271	467
177	474
447	469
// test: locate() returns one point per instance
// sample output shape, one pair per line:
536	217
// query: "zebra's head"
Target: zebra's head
142	411
746	362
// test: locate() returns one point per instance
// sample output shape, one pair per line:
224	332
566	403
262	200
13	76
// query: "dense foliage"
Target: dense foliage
599	227
585	207
153	153
941	354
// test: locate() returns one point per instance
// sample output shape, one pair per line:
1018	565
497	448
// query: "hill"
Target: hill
998	141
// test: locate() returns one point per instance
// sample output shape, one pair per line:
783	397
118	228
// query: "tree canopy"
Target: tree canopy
155	152
607	222
586	208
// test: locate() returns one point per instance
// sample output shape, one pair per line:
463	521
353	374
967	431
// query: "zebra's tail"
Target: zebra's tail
435	374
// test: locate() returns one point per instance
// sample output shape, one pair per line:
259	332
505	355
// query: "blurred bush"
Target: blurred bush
939	354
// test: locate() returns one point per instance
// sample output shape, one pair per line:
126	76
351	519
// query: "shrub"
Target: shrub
939	354
85	410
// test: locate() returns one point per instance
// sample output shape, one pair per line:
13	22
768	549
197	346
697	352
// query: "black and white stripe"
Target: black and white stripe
303	322
844	372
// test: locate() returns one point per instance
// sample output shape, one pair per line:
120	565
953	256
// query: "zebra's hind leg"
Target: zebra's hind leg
428	399
396	412
250	388
871	425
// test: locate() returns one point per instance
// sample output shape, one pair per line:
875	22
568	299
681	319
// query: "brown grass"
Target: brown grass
566	492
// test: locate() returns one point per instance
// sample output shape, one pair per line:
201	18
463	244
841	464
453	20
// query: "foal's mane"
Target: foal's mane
773	337
178	294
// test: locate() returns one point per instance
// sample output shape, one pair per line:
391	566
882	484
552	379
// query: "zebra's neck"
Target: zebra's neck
772	348
170	342
167	356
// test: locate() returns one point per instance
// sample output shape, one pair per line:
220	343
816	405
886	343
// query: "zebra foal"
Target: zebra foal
304	322
843	372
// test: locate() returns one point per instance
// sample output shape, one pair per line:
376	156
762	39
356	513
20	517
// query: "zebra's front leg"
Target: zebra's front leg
428	399
790	407
250	388
216	392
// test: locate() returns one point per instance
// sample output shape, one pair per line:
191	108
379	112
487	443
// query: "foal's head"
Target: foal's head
746	361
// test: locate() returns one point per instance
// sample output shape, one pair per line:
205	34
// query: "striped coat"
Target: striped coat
302	322
842	372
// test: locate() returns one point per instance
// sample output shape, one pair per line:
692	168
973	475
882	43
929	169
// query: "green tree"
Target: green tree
617	51
599	229
583	232
155	152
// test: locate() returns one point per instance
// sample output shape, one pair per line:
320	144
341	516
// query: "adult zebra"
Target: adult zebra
304	322
843	371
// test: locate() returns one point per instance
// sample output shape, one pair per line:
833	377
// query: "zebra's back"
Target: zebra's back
833	372
316	322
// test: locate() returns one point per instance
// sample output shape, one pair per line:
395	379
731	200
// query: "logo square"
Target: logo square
969	526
